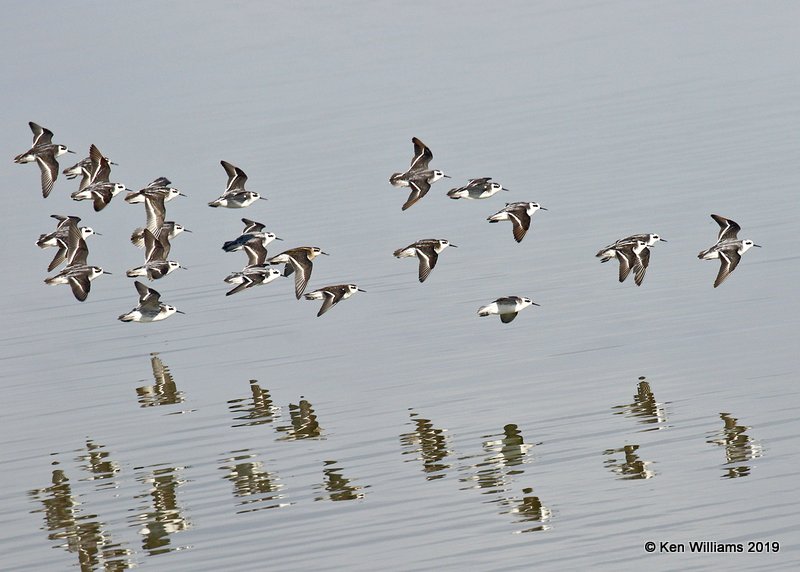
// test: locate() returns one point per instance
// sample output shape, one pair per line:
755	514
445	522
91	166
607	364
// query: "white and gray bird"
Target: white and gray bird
44	152
235	195
610	251
332	295
250	276
256	251
99	193
78	273
95	185
418	177
97	170
154	197
476	189
169	229
633	256
298	260
520	216
253	233
59	238
728	249
156	265
507	307
85	168
155	211
158	187
427	250
150	308
61	231
78	168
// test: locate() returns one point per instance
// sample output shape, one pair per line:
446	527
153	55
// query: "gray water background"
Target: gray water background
619	117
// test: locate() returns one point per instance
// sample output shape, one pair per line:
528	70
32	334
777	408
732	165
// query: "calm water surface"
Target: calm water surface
400	431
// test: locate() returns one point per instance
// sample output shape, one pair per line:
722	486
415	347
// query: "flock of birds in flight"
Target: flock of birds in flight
632	252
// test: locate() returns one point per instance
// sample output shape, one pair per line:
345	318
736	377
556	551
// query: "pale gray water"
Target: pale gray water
400	431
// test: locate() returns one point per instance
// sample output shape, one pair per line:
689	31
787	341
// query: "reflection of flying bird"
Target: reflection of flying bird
728	249
298	260
150	308
44	152
507	307
520	216
418	177
161	373
332	295
427	250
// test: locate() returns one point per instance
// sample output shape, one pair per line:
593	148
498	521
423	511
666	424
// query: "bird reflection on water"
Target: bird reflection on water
162	516
497	474
632	467
531	509
97	461
336	486
164	391
739	447
254	487
429	445
506	457
304	423
258	409
76	532
644	408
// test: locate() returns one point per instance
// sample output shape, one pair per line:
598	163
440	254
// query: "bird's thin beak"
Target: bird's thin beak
183	267
325	253
757	245
447	176
360	290
505	189
186	230
662	240
105	272
542	209
535	304
179	312
98	234
70	151
262	198
180	194
278	238
113	163
453	246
